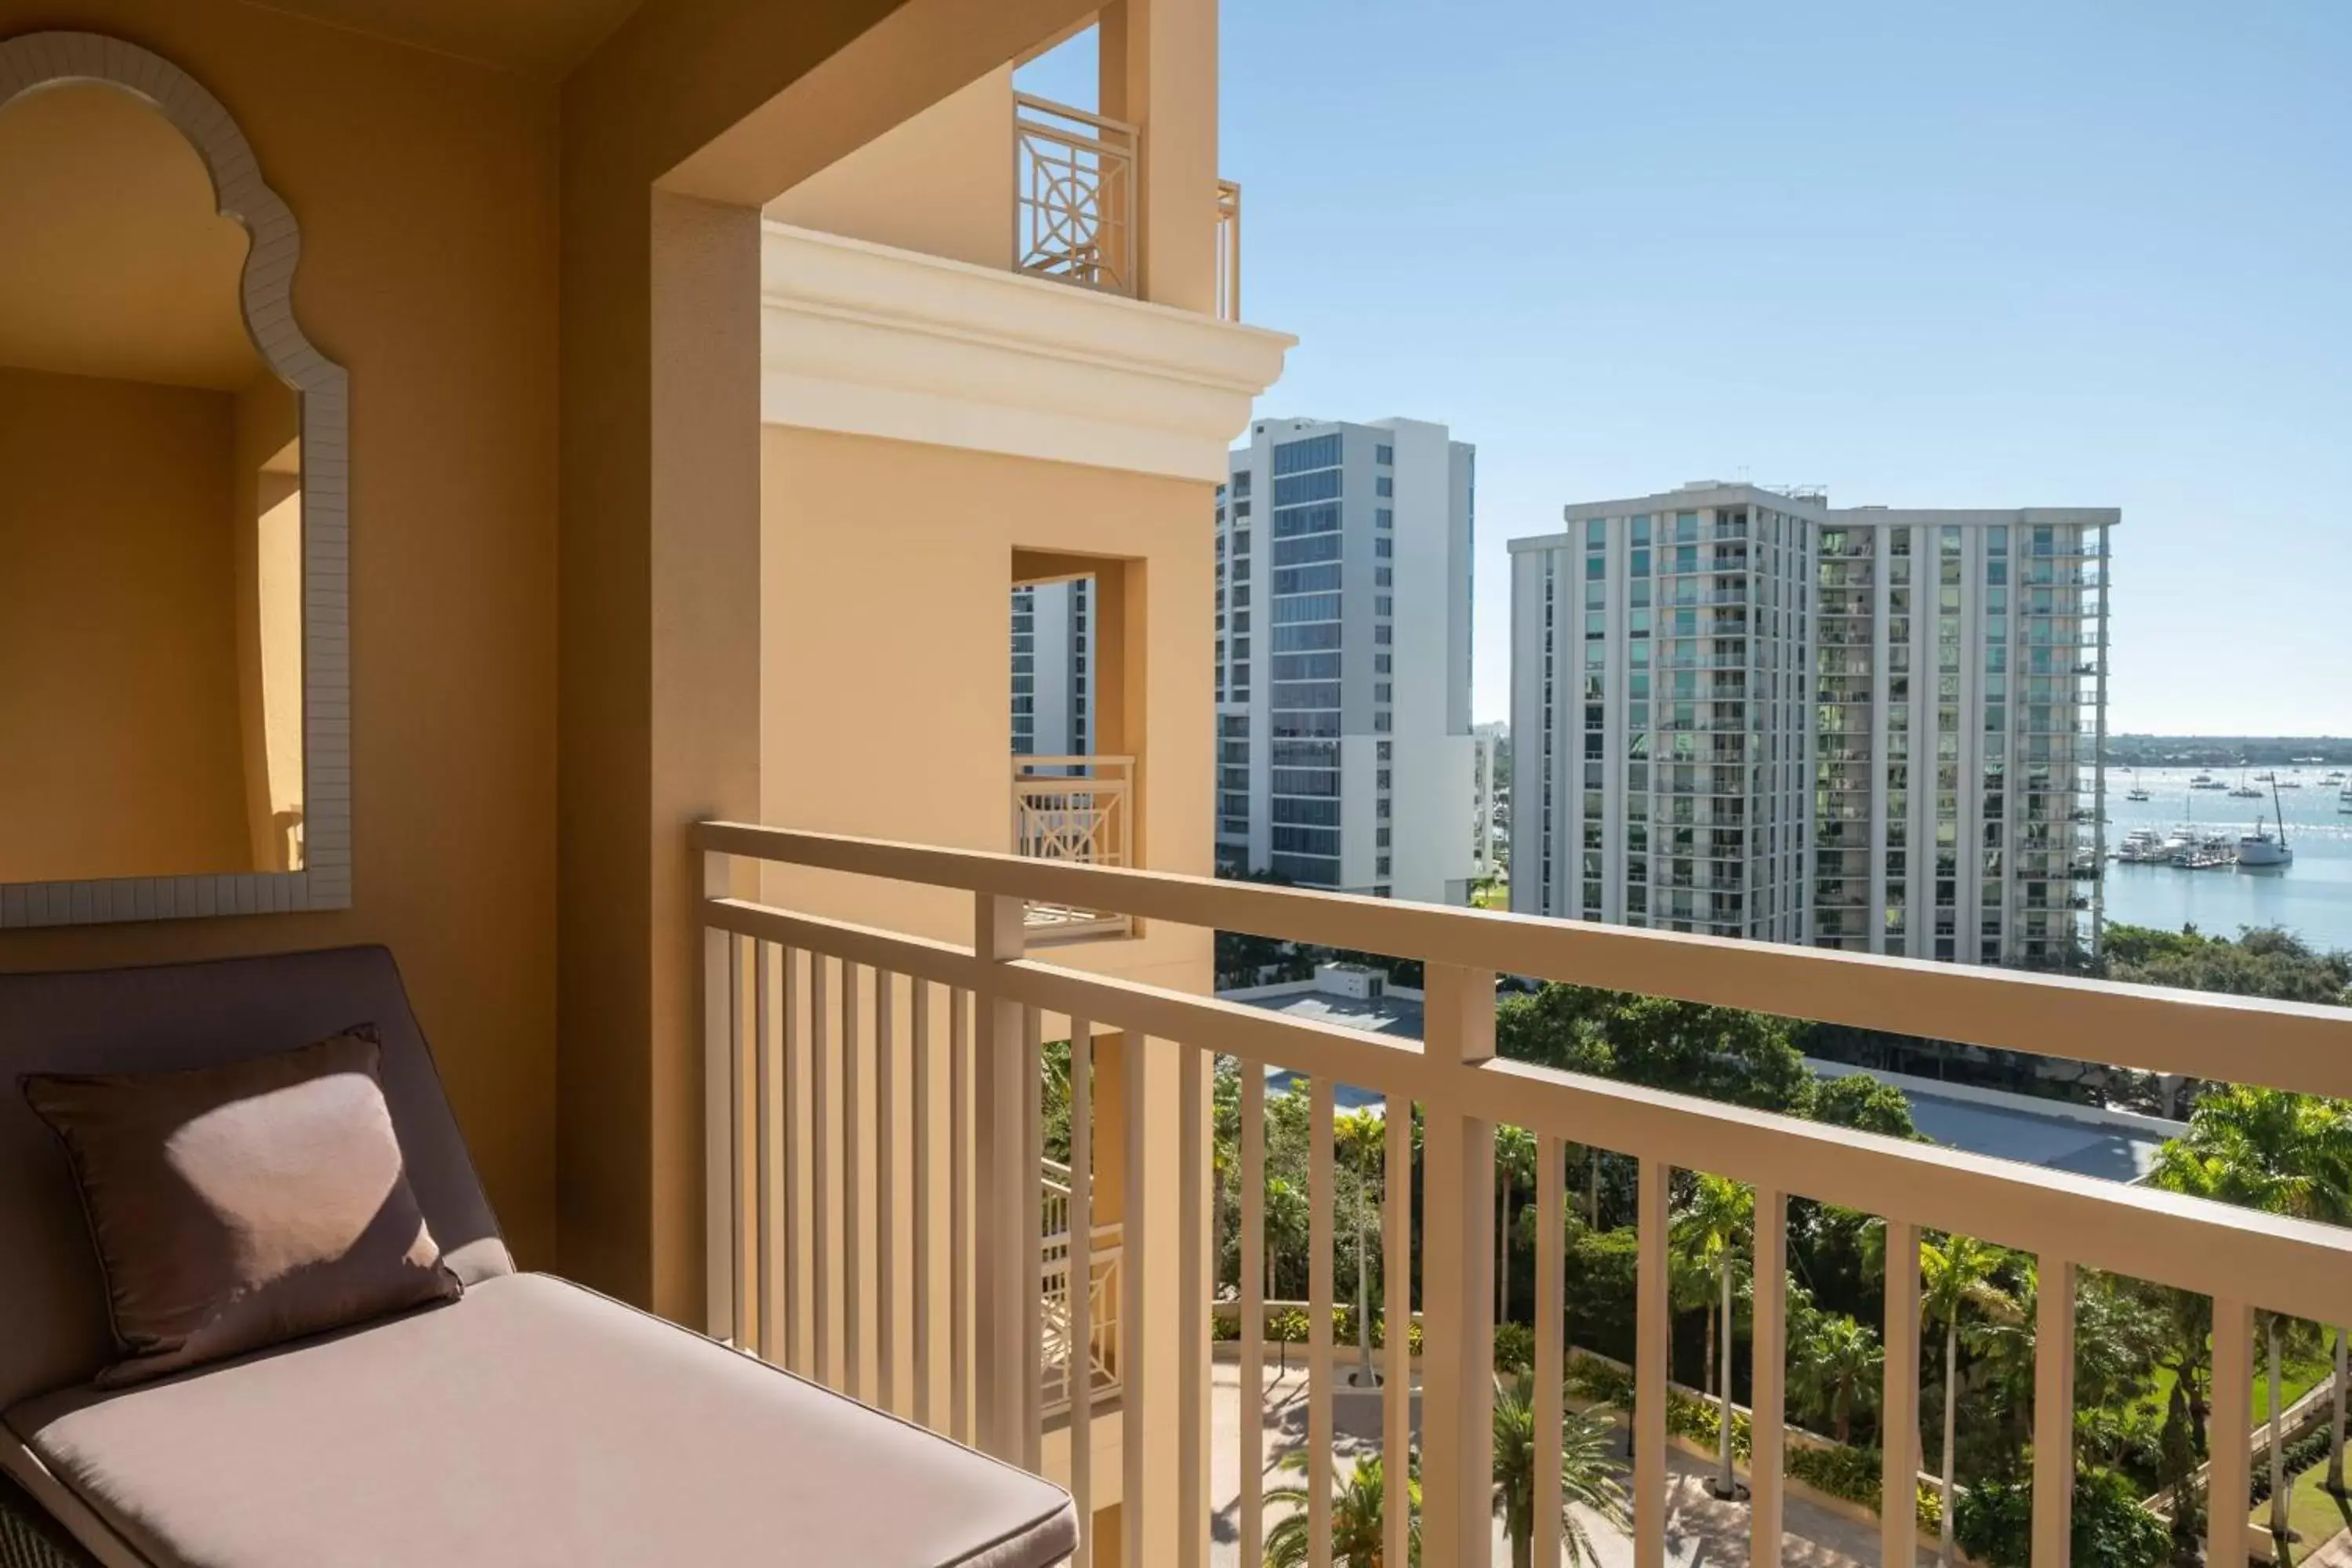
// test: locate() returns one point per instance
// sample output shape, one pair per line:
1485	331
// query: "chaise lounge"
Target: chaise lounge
529	1421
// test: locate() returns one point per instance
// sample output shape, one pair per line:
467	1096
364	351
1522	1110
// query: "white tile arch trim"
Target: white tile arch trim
869	340
30	63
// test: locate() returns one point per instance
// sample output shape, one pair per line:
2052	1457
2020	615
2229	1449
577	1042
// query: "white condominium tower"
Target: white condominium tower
1343	657
1751	714
1052	674
1658	720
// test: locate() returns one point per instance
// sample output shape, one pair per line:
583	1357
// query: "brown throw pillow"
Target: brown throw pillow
237	1206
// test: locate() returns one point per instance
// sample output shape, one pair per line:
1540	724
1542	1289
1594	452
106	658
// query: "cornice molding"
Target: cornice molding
868	339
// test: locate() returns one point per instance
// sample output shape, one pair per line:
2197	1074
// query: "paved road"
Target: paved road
1701	1530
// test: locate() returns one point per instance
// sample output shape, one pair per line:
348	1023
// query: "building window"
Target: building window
1298	456
1383	518
1384	486
1384	456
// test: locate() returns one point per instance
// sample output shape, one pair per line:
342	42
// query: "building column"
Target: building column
1159	66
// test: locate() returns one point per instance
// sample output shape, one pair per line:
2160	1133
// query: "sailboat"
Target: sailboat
2258	847
2246	791
2137	792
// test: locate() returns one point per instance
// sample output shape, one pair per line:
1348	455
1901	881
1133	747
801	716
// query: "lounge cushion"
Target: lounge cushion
532	1423
235	1207
53	1307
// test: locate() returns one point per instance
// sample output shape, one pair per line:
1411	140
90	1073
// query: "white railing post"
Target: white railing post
1080	1275
1457	1263
1321	1204
1196	1278
1551	1246
2053	1413
1005	1221
1143	1532
1653	1333
1229	251
1768	1395
1251	1516
1898	1427
1032	1301
2226	1425
721	1027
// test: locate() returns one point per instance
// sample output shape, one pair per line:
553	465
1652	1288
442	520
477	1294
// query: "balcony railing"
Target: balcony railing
1057	1317
874	1109
1077	809
1229	251
1074	195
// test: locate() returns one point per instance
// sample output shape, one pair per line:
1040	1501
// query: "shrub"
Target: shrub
1994	1525
1852	1473
1514	1348
1292	1325
1592	1378
1841	1471
1225	1328
2299	1456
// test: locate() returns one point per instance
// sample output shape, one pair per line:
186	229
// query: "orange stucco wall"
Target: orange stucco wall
118	647
660	706
426	187
545	294
885	710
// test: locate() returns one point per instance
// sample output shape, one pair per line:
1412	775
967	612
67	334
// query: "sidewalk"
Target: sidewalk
1702	1532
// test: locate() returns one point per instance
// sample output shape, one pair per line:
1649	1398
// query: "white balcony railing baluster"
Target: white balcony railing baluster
1032	1299
2053	1415
1898	1405
1652	1344
786	1047
1229	251
854	1319
1319	1198
1251	1517
887	1319
1550	1235
1079	1360
926	1130
1768	1392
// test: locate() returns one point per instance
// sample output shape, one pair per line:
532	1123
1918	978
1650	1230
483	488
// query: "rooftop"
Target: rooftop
2057	1135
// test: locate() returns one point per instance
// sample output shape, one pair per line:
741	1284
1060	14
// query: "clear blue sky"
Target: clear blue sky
2014	252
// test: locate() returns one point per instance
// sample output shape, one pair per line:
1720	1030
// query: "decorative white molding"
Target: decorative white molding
29	64
867	340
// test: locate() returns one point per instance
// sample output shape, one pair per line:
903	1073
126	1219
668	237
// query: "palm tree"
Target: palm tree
1359	1135
1713	1232
1356	1506
1956	1277
1589	1477
1515	1167
1838	1368
2280	1153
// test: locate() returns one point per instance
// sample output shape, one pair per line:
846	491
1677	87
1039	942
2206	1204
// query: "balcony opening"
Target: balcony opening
1073	782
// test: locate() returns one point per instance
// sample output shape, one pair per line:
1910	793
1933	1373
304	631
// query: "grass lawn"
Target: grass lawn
2314	1513
1496	895
2296	1378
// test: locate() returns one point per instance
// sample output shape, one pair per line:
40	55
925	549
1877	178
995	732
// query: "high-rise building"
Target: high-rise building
1343	657
1751	714
1053	676
1487	809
